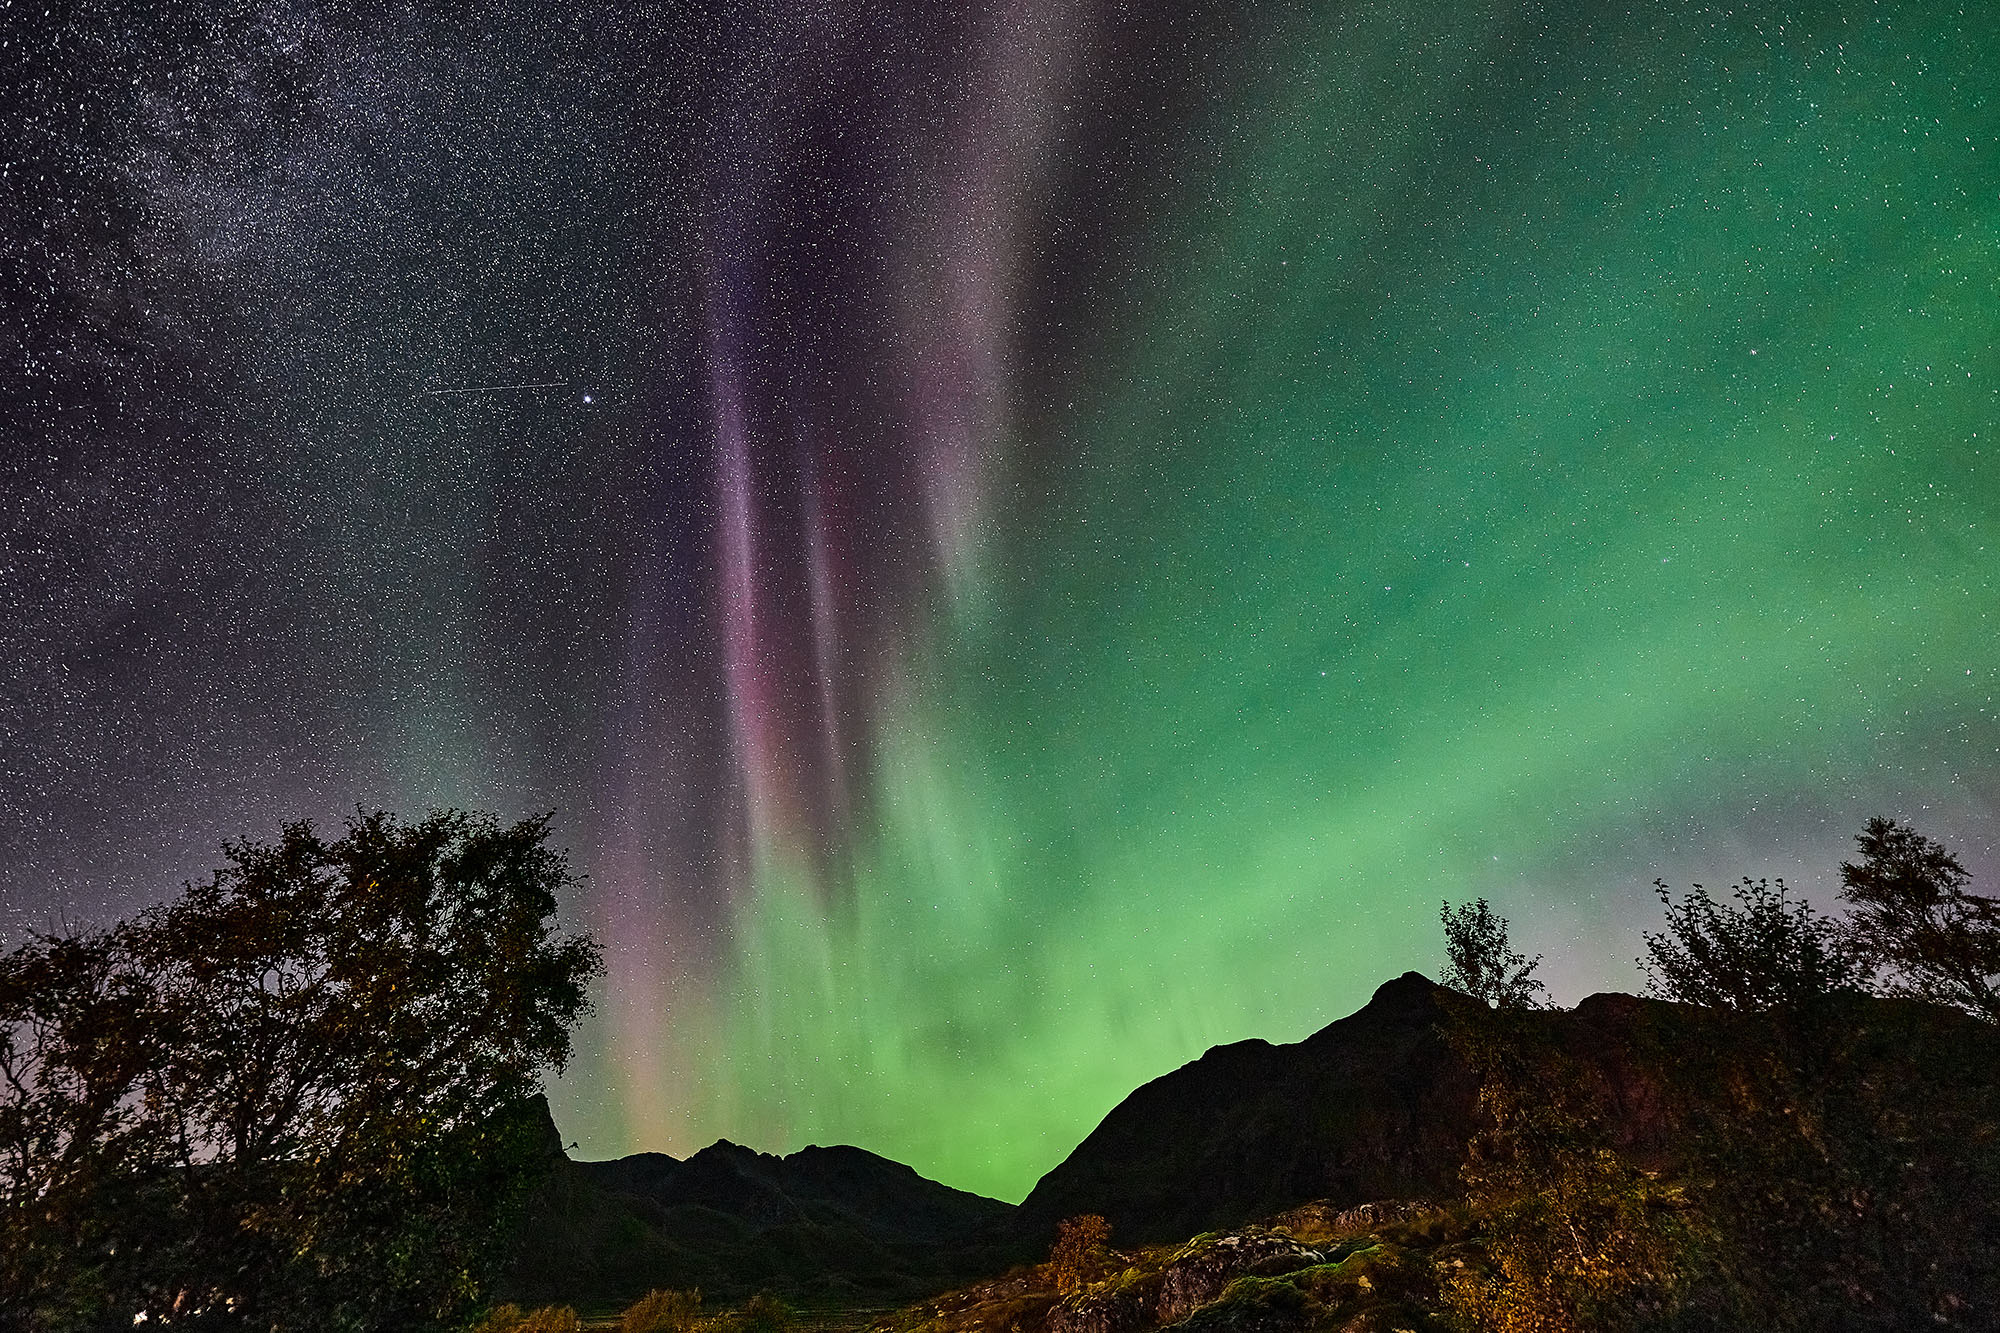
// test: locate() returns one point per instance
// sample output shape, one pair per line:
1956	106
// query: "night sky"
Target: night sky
1021	541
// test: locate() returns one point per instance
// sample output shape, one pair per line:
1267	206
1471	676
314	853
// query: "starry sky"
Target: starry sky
1022	539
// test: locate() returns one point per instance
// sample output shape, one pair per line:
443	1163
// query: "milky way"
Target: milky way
1020	544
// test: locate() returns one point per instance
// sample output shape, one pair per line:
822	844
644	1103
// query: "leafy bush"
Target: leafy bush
1594	1245
500	1319
293	1093
1080	1254
1769	951
762	1313
1576	1238
663	1312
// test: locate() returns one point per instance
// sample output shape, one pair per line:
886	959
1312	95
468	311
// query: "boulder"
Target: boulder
1204	1268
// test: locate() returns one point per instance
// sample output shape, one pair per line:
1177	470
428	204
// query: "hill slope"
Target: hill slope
1845	1161
823	1224
1373	1106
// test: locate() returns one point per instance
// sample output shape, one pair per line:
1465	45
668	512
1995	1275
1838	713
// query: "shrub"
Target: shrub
1578	1239
1080	1253
762	1313
1769	951
295	1091
513	1319
663	1312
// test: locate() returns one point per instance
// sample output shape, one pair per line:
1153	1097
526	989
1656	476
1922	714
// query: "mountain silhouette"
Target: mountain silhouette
1889	1104
825	1223
1373	1106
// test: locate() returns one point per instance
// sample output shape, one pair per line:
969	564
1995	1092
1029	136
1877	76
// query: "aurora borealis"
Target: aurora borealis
1060	530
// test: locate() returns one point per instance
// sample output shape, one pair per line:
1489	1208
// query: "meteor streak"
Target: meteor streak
497	388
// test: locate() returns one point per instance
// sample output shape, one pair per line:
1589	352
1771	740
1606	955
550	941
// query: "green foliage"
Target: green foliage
1481	963
1080	1254
1578	1240
663	1312
1915	918
286	1098
1769	951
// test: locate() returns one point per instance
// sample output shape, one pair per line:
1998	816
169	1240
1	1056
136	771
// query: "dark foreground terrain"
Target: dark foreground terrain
1832	1170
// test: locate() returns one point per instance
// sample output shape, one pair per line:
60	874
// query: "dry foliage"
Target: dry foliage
1579	1240
663	1312
513	1319
1080	1253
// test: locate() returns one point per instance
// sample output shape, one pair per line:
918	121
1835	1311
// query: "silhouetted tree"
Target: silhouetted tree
1834	1206
290	1097
1915	919
75	1052
1768	951
1481	963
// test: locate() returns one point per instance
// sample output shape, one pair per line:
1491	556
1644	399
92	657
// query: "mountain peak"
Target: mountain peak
1372	1106
1413	992
1410	983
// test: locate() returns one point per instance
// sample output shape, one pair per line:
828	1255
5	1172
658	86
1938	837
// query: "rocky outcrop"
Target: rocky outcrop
1274	1306
1288	1275
1321	1218
1113	1308
1187	1288
1203	1269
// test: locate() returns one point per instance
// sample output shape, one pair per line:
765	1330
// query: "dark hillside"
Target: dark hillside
1847	1161
1380	1104
824	1224
828	1187
1373	1106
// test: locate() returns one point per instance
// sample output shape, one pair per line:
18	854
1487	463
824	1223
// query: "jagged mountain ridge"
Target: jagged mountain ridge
830	1187
836	1223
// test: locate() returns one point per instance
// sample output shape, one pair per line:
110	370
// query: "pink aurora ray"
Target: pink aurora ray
847	494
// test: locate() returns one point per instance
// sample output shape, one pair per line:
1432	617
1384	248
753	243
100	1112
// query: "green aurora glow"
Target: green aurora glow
1502	446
